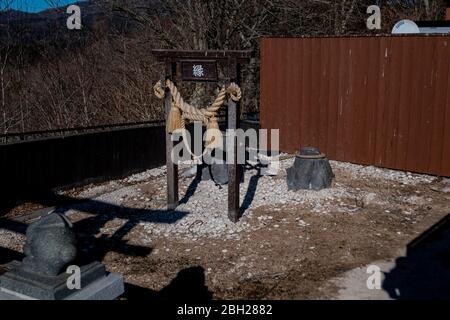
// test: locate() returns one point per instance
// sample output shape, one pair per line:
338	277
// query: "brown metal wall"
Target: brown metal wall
381	101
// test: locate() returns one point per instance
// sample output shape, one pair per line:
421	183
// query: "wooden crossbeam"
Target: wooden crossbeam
241	56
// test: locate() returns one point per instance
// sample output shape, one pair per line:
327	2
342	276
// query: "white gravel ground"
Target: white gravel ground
204	215
208	206
206	210
11	240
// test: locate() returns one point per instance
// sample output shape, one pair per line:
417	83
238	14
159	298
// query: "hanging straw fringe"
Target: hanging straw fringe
213	135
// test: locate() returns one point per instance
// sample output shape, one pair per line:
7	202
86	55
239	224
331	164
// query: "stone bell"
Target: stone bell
311	171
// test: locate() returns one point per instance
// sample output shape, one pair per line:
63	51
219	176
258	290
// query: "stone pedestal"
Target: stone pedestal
96	284
51	247
311	171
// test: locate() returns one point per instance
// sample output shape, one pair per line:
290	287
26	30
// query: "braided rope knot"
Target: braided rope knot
182	111
235	92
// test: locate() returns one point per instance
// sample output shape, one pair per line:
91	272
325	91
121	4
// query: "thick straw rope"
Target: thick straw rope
182	111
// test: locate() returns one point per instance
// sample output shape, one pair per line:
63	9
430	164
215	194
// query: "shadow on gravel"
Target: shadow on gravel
189	285
425	272
192	187
246	202
94	248
250	194
8	255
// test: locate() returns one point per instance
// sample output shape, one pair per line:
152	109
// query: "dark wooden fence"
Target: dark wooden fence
381	101
30	169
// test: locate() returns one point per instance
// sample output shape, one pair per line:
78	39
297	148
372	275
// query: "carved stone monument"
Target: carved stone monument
50	248
311	171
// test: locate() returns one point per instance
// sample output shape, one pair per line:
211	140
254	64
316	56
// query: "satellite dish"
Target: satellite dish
405	27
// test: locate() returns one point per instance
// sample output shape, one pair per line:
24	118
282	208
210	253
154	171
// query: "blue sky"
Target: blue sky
36	5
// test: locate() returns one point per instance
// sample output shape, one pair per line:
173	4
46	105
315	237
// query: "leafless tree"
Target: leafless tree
108	79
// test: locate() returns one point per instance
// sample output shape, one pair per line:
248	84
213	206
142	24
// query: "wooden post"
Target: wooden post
233	172
233	168
201	66
172	168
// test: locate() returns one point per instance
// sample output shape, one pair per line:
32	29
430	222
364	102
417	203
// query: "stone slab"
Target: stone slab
109	287
44	287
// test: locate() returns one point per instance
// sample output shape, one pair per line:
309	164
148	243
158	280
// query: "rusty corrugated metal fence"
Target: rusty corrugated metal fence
382	101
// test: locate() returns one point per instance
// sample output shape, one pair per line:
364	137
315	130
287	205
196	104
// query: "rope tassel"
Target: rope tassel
213	135
175	120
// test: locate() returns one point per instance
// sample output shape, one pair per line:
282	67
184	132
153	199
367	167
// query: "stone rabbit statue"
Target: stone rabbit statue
50	245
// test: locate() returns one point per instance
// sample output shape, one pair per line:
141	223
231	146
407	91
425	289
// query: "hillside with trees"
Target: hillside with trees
52	77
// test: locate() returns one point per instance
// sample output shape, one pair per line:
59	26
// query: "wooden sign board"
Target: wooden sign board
199	70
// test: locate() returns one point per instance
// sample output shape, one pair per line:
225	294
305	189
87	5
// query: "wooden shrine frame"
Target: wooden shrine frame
179	67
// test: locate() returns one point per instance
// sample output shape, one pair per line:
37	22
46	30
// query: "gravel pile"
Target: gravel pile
203	214
369	172
207	207
147	175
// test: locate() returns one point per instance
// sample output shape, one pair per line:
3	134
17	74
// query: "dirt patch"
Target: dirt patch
288	245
